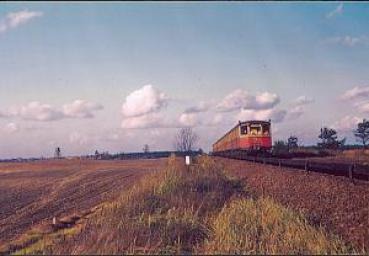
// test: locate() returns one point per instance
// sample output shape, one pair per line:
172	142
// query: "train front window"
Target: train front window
255	130
266	129
243	130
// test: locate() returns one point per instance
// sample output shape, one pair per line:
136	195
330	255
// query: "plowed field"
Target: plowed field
34	193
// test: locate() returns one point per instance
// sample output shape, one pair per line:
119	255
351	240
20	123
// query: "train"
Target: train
251	137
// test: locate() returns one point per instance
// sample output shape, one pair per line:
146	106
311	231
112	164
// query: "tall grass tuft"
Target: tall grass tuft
167	212
261	226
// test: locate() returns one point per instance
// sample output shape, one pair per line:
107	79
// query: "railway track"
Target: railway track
350	170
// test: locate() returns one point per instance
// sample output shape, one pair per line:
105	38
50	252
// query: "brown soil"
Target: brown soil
34	193
335	202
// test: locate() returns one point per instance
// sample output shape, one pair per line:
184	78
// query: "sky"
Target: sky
115	76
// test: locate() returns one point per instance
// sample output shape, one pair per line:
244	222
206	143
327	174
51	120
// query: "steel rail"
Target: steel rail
350	170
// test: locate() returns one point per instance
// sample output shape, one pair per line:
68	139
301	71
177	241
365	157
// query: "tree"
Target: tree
362	132
329	139
57	153
292	142
146	148
280	146
97	154
185	140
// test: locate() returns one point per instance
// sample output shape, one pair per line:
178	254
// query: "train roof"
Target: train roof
244	122
254	122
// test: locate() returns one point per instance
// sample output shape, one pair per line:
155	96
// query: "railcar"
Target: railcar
247	136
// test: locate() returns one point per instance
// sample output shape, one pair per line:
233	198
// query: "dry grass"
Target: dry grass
262	226
196	210
338	204
164	213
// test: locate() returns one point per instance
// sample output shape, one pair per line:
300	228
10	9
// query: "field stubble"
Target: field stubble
31	194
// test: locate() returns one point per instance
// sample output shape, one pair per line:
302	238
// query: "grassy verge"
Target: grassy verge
261	226
196	210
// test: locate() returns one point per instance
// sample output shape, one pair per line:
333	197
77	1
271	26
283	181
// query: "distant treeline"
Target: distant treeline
117	156
144	155
343	147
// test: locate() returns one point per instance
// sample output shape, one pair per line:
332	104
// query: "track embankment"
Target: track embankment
334	201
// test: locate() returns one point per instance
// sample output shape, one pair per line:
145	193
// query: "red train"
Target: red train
252	136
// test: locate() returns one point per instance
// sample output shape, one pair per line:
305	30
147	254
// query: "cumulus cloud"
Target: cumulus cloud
144	101
337	11
201	107
234	101
264	100
215	120
298	106
38	111
347	123
152	120
241	99
295	112
363	107
266	114
349	41
302	100
14	19
81	109
356	93
11	128
189	119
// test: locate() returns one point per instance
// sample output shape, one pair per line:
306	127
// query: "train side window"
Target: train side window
243	130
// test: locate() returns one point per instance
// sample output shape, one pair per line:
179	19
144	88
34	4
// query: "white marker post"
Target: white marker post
188	160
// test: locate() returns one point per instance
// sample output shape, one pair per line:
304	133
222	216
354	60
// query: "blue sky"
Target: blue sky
82	62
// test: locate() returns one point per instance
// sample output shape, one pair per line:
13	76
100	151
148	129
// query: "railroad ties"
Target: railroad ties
350	170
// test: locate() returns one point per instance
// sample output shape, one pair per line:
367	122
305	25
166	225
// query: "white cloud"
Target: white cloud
189	119
215	120
297	108
152	120
295	113
302	100
11	128
81	109
201	107
273	114
144	101
356	93
14	19
37	111
349	41
347	123
363	107
241	99
234	101
337	11
264	100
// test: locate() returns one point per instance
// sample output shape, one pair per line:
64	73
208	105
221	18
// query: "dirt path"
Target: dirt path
33	193
341	206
